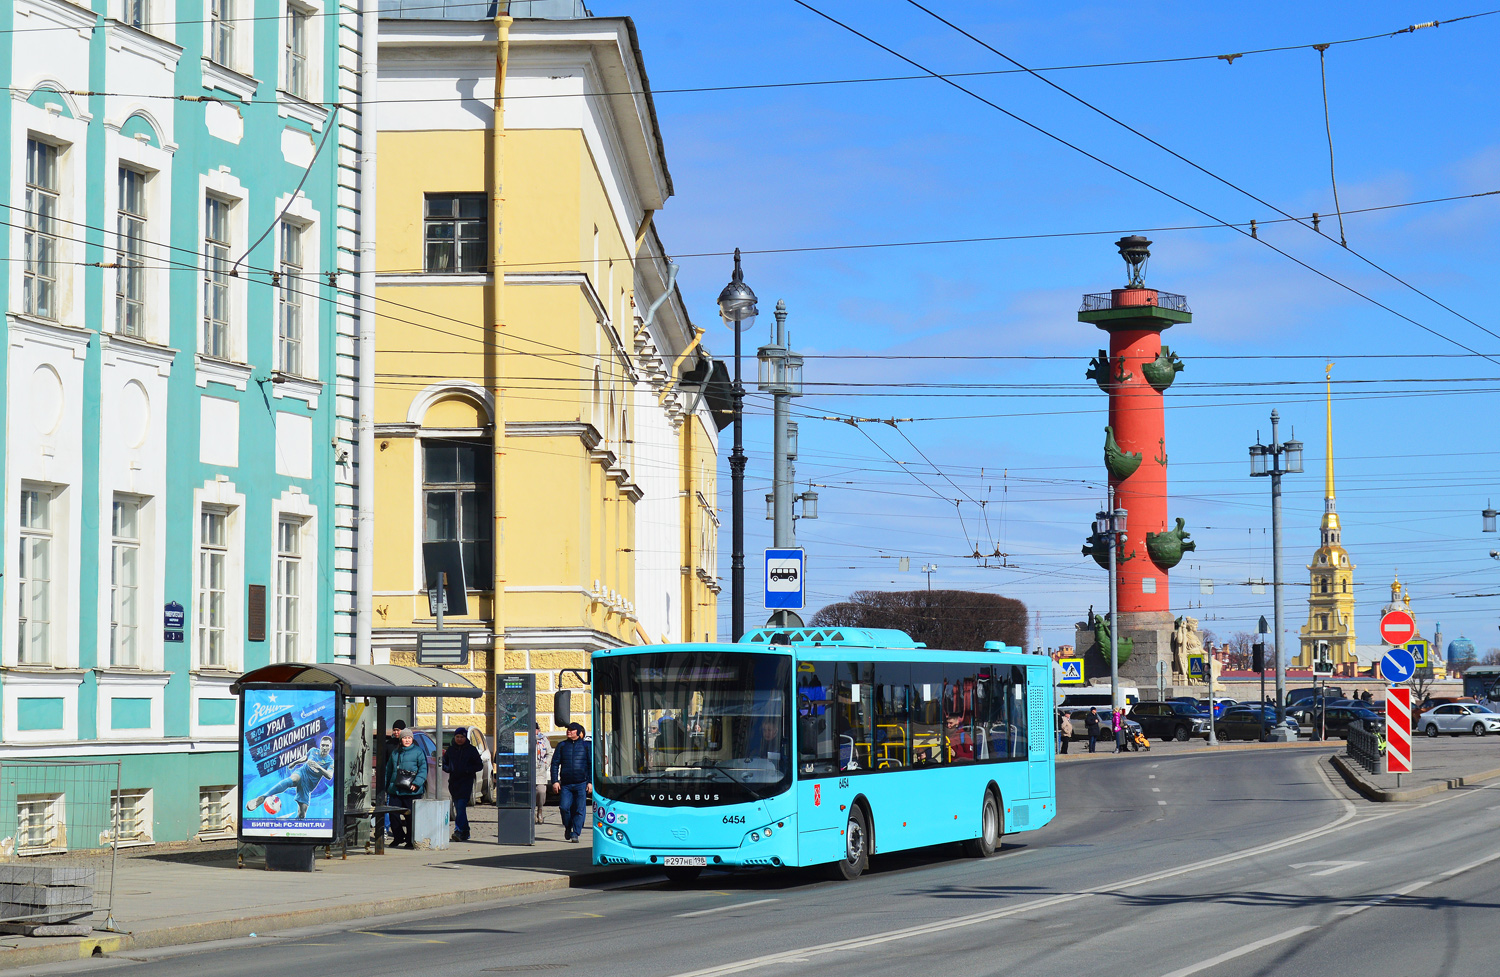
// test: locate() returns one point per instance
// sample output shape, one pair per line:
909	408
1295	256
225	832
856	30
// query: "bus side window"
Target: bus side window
855	710
1018	711
815	718
892	716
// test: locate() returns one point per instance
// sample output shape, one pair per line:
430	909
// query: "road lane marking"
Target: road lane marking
1334	867
803	954
1156	790
1241	951
1162	803
1150	776
393	936
720	909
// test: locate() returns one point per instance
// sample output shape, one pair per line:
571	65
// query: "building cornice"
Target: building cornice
133	349
211	369
582	430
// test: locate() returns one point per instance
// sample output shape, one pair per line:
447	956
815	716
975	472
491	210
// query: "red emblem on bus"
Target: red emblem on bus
817	795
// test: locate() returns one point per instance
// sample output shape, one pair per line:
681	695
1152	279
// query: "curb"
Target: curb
228	929
1355	778
1205	750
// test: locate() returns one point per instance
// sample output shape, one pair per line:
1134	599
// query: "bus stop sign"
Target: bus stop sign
784	583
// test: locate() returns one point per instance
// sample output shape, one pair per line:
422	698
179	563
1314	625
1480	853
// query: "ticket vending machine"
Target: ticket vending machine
515	759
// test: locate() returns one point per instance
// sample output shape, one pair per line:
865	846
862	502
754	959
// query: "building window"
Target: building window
132	816
213	560
289	327
298	22
216	811
124	585
456	494
455	233
136	12
1322	622
221	32
34	626
216	277
40	824
130	228
39	290
1323	585
288	589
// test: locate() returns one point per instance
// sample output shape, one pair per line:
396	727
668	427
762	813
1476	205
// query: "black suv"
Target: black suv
1170	720
1334	721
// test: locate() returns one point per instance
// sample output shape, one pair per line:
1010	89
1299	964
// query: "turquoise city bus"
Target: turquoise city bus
815	746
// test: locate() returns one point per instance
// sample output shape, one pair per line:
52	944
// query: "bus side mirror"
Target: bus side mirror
562	707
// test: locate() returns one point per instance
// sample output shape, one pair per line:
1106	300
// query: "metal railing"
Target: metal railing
60	828
1100	301
1366	747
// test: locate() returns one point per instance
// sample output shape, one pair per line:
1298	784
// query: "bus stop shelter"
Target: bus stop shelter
376	682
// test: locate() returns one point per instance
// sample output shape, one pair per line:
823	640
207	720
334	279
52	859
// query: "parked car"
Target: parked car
1314	691
1220	704
1333	722
1171	720
1249	722
1455	718
1433	701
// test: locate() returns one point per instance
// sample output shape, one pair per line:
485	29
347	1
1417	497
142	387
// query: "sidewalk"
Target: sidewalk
192	896
1438	764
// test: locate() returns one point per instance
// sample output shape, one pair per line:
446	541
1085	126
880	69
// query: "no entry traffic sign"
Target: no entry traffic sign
1398	730
1397	628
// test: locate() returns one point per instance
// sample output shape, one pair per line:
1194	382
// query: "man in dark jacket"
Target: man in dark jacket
1092	723
572	773
462	762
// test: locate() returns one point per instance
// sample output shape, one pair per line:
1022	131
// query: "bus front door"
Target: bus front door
1039	698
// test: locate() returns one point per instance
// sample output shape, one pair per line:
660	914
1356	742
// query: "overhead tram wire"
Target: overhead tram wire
1226	182
1143	182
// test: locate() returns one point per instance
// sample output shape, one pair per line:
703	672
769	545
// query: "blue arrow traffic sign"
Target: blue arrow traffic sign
1397	665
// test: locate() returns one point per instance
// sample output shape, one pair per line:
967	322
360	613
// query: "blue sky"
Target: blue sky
1413	117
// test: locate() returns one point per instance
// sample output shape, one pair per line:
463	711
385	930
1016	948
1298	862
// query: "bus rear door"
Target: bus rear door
1039	698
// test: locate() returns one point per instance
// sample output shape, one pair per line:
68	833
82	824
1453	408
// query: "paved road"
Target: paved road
1240	863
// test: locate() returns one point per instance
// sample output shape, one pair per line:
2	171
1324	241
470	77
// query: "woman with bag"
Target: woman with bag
543	765
405	779
1066	726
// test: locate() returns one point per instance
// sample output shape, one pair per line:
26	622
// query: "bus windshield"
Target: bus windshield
692	728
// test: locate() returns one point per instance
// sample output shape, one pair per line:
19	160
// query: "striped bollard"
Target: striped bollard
1398	731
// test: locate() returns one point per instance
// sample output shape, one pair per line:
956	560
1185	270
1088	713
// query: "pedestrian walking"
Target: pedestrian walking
1117	723
543	763
1091	726
462	763
1065	726
572	771
406	779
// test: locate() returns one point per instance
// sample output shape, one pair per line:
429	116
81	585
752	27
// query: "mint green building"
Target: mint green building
179	358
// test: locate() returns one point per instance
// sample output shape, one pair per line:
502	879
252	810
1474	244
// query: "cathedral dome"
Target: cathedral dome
1460	649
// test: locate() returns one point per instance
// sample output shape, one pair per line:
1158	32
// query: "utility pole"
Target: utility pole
929	569
1284	459
781	377
738	309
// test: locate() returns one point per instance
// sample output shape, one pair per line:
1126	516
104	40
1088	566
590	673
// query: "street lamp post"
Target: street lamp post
1109	525
1275	460
929	569
738	310
781	377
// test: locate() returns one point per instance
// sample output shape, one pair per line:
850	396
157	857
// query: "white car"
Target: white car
1459	717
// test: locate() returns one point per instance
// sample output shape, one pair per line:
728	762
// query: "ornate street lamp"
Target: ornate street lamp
1136	250
737	307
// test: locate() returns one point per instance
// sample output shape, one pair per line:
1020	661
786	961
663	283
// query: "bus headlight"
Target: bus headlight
755	836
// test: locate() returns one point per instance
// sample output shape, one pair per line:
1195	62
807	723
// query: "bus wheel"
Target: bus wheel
856	847
989	830
682	874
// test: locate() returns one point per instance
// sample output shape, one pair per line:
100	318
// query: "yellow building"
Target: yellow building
1329	632
536	416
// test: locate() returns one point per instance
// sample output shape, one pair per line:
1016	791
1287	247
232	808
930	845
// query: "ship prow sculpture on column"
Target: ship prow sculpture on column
1135	373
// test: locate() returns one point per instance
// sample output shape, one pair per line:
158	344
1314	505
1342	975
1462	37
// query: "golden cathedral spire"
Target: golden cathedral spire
1328	475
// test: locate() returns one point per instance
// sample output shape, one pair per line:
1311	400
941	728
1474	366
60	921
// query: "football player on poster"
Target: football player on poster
305	779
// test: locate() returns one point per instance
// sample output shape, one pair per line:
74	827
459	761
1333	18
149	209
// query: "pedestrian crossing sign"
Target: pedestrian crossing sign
1072	671
1195	666
1418	651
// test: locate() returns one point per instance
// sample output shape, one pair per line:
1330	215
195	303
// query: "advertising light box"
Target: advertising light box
291	764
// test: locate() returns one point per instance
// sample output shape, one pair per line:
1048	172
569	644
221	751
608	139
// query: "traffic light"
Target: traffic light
1258	657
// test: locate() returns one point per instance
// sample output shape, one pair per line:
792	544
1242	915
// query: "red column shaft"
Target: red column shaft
1135	412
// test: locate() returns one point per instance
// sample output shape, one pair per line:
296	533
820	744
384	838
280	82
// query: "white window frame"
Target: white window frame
52	809
62	121
296	68
41	278
136	13
206	621
292	288
294	508
289	581
304	385
217	336
131	229
37	536
155	164
303	102
223	28
218	801
137	804
125	601
221	185
220	495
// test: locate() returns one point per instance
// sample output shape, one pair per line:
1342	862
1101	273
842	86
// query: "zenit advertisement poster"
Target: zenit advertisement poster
289	763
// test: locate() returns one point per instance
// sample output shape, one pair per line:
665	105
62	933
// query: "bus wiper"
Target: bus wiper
708	763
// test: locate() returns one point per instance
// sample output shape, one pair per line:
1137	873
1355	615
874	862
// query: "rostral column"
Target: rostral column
1135	372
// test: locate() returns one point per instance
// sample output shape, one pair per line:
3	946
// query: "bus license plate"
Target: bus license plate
674	861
